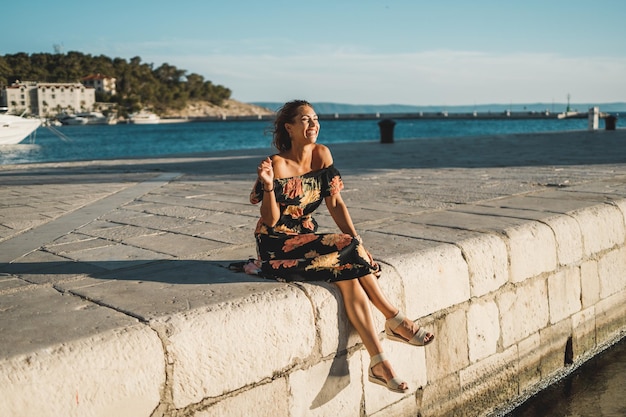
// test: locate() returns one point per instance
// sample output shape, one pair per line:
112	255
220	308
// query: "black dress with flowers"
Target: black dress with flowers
291	250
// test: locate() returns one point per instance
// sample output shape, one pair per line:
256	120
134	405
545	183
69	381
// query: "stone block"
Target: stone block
117	372
174	244
384	244
9	282
409	363
329	388
610	317
35	318
160	289
583	332
227	346
490	382
117	256
602	227
621	204
442	397
434	279
529	354
393	287
407	406
470	218
267	400
487	261
336	334
589	283
483	330
523	311
612	272
547	201
569	241
448	353
532	250
480	372
564	294
554	340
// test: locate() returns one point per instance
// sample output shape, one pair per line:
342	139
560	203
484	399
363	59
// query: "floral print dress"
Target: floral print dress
292	250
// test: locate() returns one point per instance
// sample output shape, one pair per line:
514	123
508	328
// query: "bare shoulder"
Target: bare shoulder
279	165
322	156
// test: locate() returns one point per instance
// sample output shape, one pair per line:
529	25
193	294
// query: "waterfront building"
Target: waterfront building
47	99
101	83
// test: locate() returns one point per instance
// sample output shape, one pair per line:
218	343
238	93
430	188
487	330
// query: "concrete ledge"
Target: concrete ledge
133	313
70	369
496	323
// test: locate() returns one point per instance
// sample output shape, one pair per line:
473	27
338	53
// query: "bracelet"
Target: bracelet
268	191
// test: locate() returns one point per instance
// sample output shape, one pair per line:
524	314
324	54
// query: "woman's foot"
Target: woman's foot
381	373
401	329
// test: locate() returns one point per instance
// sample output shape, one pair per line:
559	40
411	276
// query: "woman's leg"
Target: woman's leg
358	310
380	301
377	297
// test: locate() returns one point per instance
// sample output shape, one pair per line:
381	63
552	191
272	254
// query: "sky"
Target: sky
356	52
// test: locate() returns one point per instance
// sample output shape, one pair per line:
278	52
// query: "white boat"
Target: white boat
14	129
571	115
94	118
144	118
73	120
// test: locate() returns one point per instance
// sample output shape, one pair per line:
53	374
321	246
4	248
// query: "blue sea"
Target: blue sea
91	142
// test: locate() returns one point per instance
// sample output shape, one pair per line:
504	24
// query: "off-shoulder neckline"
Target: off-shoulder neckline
307	174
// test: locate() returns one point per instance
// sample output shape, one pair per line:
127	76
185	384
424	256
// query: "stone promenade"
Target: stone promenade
114	278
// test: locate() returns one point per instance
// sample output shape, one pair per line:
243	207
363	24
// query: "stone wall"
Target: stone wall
532	287
517	290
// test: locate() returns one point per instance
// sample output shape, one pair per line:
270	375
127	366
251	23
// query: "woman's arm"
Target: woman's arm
339	212
335	204
270	212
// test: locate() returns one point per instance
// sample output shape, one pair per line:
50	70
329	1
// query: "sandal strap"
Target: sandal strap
396	320
394	383
376	359
419	336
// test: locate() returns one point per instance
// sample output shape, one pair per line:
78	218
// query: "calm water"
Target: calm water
127	140
596	389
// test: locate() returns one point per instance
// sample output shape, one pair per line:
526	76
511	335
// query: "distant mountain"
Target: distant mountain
339	108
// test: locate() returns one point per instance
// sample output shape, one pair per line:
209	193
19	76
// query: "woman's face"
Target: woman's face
305	126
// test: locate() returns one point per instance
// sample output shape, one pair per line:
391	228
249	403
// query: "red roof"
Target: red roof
96	77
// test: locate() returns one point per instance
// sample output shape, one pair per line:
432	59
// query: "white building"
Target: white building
101	83
48	99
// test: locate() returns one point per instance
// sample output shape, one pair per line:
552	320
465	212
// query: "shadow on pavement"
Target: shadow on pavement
172	271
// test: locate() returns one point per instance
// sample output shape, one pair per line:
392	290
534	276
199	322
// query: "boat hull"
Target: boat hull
144	118
15	129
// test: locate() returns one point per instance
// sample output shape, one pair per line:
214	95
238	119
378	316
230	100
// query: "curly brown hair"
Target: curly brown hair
286	114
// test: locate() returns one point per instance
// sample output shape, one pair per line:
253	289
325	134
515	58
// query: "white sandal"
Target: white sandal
393	384
418	339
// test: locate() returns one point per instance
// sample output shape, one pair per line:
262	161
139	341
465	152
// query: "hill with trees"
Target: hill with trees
138	84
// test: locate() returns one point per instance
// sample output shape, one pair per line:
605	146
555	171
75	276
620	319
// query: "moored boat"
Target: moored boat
73	120
14	129
571	115
144	118
95	118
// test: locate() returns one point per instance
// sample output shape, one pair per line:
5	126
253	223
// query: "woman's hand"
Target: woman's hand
265	171
270	211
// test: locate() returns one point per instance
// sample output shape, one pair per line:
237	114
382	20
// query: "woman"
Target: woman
290	186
